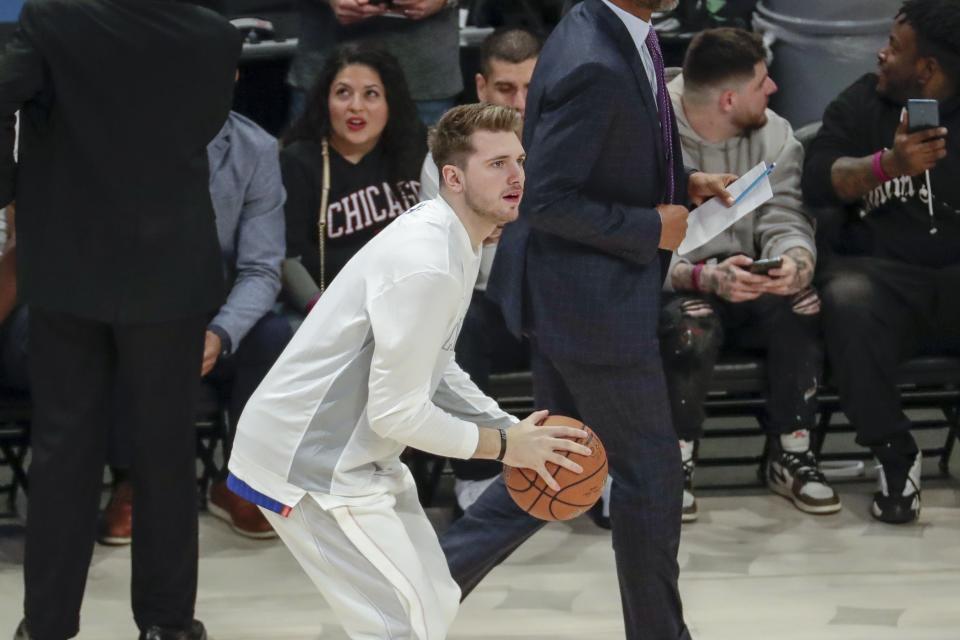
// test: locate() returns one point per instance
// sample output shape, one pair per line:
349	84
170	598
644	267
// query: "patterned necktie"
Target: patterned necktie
664	108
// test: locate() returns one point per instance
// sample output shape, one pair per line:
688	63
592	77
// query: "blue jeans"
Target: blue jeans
431	110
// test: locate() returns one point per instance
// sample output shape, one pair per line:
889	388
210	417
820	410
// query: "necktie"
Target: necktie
664	108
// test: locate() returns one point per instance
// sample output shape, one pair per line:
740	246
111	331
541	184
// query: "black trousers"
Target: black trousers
74	365
628	409
790	342
876	314
234	378
486	346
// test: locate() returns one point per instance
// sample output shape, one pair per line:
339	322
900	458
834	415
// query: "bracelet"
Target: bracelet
503	444
695	276
878	171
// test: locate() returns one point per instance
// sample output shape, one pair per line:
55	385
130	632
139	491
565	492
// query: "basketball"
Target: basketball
578	491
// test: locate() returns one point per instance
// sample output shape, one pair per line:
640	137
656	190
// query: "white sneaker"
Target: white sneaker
690	510
796	477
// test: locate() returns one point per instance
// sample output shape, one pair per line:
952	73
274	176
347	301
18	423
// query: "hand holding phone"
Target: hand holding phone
353	11
918	146
762	267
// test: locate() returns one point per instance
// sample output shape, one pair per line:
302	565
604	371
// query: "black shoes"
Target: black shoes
897	500
195	632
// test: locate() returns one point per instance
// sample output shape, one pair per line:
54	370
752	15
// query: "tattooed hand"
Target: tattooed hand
732	282
794	276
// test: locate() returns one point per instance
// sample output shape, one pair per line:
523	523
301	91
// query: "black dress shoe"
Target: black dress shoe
195	632
21	633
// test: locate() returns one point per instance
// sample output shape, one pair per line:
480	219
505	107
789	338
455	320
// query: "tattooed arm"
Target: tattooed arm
728	280
912	154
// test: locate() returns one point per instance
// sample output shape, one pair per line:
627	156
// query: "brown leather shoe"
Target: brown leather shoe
116	522
242	516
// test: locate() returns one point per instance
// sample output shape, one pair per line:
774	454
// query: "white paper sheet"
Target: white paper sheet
711	218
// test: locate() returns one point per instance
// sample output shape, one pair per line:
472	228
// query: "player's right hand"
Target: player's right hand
914	153
673	225
530	446
352	11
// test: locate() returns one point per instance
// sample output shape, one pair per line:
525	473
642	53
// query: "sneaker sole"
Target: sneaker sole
878	515
111	541
224	515
823	510
690	517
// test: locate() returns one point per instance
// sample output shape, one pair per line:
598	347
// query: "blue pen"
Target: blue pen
753	185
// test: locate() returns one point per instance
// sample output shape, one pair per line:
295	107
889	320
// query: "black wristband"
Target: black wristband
503	444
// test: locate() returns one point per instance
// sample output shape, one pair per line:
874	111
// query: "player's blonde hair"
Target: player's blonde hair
450	141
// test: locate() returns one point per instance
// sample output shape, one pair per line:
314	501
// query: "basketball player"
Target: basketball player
370	372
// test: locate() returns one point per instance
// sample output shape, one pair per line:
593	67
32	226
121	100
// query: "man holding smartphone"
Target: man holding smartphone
890	285
750	286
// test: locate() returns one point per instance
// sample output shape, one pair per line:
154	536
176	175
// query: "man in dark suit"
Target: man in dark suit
120	265
580	272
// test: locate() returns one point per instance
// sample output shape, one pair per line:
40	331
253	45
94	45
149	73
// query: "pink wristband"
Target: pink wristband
695	276
878	171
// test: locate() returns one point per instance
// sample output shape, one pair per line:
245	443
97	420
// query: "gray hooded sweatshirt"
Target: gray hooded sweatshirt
779	224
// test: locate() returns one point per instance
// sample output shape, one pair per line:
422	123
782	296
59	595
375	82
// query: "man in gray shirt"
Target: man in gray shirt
422	34
245	336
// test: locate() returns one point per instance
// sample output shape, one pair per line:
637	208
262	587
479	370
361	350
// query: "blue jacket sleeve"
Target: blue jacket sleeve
260	250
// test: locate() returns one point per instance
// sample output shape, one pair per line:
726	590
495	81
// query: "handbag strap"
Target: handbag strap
322	215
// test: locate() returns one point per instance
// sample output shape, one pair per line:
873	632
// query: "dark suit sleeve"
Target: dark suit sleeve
22	76
567	143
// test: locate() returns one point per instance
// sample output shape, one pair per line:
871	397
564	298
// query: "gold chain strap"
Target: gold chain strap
322	215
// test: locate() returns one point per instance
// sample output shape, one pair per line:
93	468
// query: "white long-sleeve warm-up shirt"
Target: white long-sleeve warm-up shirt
371	370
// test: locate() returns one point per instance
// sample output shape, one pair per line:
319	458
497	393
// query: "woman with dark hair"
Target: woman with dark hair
351	164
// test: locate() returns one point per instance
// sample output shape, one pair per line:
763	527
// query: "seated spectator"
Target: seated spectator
245	337
720	102
486	346
895	277
423	36
351	164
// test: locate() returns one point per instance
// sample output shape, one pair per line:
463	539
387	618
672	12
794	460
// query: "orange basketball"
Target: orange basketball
578	491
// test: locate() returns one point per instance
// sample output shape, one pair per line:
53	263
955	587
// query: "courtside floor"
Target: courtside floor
752	568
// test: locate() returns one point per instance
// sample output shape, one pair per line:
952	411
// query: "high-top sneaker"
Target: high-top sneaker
897	500
690	511
793	472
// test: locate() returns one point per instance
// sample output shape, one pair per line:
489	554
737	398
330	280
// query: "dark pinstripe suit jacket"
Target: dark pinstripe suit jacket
580	268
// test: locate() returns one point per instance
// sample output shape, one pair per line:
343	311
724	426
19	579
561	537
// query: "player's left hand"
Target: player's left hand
703	186
417	9
211	352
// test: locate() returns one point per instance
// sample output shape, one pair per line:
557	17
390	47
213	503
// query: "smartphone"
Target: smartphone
923	114
763	267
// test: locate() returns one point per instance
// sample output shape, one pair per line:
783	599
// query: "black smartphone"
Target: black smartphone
923	114
381	2
763	267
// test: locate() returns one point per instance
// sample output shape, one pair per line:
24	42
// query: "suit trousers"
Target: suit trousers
74	365
627	406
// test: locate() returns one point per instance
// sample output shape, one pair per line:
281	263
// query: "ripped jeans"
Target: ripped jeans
694	327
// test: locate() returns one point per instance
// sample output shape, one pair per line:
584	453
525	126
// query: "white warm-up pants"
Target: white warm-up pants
378	565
